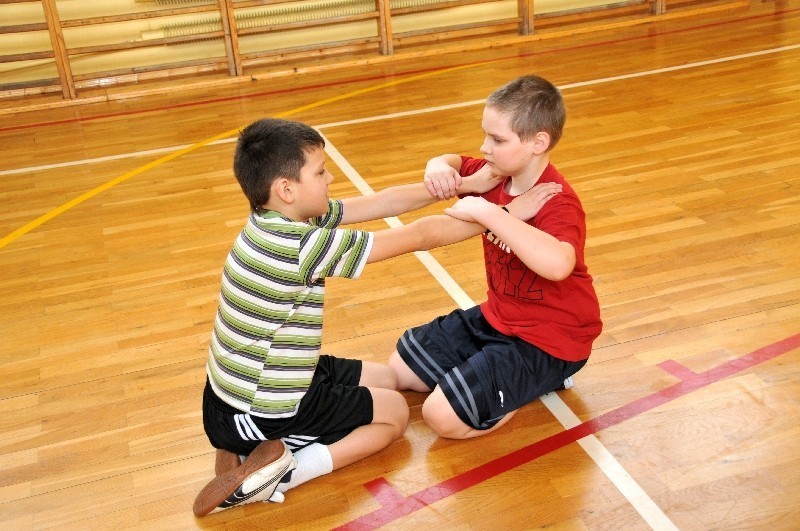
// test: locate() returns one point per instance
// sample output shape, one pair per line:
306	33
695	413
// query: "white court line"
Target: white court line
419	111
574	85
435	268
109	158
616	473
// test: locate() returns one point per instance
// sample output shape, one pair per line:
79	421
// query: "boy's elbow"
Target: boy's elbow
562	267
559	274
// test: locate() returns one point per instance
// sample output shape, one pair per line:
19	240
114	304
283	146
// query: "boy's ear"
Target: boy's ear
283	188
541	142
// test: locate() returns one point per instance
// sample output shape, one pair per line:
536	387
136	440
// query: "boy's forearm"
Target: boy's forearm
540	251
438	231
423	234
388	202
404	198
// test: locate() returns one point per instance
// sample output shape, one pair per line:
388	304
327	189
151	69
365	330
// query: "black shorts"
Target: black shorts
484	374
333	407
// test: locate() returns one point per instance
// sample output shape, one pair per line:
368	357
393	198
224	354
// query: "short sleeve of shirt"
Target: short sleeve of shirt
333	217
470	165
328	252
563	219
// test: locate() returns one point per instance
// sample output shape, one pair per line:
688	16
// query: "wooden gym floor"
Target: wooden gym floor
682	140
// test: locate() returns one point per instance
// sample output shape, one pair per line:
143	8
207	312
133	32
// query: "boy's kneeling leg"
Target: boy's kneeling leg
440	416
406	379
389	422
377	375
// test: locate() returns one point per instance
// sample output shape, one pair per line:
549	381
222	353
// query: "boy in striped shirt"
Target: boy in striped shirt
270	395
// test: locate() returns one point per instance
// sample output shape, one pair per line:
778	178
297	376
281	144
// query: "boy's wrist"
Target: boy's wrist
502	207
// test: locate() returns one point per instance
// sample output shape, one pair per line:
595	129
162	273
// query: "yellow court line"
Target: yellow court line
28	227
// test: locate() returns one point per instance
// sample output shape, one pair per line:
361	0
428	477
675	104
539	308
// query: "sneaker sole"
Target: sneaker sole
219	489
225	462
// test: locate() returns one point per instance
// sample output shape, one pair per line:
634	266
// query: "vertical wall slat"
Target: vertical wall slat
59	49
385	26
525	11
231	37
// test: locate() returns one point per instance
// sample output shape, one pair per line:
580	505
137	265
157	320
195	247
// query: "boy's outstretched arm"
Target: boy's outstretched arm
388	202
397	200
420	235
541	252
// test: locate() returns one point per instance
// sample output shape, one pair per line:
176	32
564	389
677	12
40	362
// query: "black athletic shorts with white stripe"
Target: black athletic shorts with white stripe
484	374
334	406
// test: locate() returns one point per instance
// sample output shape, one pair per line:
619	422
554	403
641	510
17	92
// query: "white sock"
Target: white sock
313	461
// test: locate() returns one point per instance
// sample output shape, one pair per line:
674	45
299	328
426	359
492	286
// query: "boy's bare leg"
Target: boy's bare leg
389	422
377	375
407	380
439	415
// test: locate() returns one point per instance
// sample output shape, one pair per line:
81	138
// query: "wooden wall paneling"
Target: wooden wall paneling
387	38
136	73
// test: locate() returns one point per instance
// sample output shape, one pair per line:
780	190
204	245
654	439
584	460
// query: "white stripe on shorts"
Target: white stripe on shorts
247	429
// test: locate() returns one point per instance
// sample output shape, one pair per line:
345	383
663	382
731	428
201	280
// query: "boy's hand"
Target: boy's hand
470	208
527	205
441	180
479	182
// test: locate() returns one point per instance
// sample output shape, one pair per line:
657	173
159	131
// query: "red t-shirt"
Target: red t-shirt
562	318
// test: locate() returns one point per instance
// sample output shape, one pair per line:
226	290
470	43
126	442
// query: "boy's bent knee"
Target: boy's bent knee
439	415
390	407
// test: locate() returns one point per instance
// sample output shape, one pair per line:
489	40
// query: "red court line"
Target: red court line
395	505
80	119
677	370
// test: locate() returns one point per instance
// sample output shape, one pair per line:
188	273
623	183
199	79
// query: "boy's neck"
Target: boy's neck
528	178
284	210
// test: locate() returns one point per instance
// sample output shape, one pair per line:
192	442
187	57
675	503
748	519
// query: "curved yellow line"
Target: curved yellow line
175	154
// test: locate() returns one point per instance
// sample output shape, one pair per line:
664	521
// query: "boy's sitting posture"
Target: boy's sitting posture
270	395
542	314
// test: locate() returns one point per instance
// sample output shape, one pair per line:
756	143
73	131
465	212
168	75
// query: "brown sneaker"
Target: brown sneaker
225	461
254	480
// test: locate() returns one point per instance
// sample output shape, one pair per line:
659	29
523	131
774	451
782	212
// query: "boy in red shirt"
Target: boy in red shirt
542	314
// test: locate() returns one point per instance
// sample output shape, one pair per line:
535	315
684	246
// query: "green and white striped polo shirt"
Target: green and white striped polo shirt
268	330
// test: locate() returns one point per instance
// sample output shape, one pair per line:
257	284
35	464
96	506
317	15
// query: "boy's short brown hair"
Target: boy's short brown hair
268	149
532	104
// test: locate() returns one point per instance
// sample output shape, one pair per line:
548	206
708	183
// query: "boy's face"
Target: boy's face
506	153
312	190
